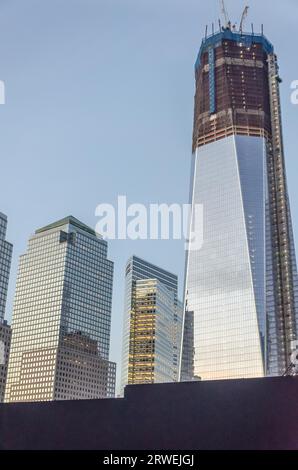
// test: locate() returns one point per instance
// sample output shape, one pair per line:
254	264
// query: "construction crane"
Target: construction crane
243	18
226	15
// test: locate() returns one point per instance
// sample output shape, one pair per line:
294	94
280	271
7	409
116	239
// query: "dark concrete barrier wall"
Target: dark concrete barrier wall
244	414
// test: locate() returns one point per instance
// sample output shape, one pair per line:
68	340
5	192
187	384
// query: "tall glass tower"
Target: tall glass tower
5	338
5	263
241	286
154	334
152	324
62	317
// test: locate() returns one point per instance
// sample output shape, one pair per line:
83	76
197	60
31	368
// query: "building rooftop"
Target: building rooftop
152	266
70	220
227	34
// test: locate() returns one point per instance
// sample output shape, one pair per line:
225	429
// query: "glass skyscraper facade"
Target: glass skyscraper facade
5	338
5	263
241	286
187	362
154	332
152	325
62	317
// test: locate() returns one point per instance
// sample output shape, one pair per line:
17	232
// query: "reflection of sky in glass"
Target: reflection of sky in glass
225	279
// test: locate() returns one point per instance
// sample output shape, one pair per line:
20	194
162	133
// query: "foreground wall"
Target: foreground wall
243	414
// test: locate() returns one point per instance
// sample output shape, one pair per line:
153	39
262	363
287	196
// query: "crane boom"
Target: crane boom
243	17
225	13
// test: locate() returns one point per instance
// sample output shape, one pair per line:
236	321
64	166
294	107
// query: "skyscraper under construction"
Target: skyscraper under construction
241	286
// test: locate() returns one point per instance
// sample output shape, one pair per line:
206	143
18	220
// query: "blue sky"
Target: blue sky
99	102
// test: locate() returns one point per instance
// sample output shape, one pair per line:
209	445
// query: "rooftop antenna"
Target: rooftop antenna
226	15
206	31
243	18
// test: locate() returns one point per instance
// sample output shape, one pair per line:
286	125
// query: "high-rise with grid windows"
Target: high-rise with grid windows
5	338
62	317
5	262
241	286
152	325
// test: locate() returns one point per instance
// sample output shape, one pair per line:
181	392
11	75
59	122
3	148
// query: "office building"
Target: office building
152	325
62	317
187	361
5	263
5	338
